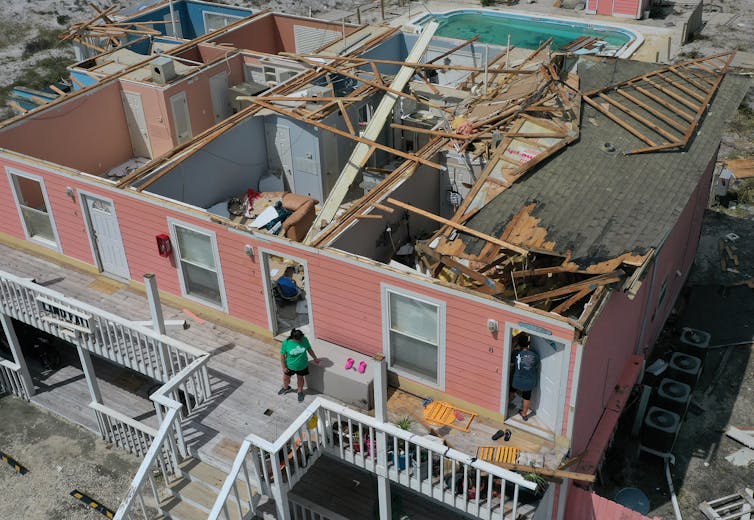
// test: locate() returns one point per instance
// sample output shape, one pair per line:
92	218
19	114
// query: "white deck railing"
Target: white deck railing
454	478
105	334
11	380
123	431
303	509
167	448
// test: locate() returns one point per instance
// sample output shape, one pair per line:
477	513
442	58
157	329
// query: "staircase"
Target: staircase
195	491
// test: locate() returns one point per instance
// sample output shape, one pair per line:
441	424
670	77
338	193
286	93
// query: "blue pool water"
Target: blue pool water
529	33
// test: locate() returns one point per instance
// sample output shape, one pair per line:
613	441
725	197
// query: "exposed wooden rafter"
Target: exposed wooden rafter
674	90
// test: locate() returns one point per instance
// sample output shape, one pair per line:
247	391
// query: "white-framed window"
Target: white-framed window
215	21
34	208
414	335
198	264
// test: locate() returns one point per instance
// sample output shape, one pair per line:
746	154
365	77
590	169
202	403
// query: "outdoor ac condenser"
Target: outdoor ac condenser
673	395
660	429
163	70
684	368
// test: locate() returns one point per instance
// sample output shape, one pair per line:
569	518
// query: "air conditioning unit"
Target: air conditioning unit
685	368
660	430
696	339
244	89
163	70
673	395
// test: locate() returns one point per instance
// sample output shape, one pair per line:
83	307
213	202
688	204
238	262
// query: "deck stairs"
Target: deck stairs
194	491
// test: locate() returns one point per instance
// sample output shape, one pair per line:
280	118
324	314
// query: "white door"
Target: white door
137	124
181	119
279	151
104	233
169	26
218	88
546	397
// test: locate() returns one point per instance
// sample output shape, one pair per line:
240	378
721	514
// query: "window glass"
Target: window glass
413	335
196	254
31	200
413	317
195	247
413	355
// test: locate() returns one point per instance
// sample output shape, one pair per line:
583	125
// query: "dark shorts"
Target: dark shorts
304	372
525	394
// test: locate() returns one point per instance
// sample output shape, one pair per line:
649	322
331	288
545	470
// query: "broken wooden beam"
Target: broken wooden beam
459	227
592	282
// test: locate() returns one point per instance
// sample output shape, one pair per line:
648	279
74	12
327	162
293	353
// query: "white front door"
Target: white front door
181	119
137	124
218	88
279	151
104	233
546	397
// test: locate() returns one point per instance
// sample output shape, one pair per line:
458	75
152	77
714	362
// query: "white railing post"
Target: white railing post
158	323
89	375
380	413
18	356
279	489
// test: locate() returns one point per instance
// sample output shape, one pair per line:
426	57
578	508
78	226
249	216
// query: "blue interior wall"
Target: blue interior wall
191	16
392	49
195	12
223	168
179	10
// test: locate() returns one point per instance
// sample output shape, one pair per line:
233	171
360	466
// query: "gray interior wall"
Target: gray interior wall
368	237
224	168
305	153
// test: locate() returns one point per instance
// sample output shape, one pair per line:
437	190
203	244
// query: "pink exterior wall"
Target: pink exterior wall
159	114
622	8
585	505
617	332
285	26
258	35
87	133
345	296
626	7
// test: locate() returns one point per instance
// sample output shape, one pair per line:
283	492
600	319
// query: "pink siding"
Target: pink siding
87	133
346	300
585	505
159	114
626	7
617	333
345	297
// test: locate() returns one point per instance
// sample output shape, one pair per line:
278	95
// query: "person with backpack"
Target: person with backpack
294	360
526	375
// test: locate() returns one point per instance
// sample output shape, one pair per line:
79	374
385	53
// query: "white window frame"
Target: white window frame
386	290
172	224
12	172
229	19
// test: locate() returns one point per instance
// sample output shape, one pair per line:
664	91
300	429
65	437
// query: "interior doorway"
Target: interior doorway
548	396
286	282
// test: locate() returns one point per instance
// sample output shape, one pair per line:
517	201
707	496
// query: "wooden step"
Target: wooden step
212	477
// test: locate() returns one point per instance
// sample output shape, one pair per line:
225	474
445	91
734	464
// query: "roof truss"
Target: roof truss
663	108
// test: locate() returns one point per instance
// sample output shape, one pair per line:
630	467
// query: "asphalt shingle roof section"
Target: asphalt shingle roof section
599	205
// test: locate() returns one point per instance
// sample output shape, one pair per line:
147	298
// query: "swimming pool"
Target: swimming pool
527	31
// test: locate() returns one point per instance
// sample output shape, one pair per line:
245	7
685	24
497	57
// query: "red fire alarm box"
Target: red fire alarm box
164	247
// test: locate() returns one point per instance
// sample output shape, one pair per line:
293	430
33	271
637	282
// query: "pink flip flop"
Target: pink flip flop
362	367
349	363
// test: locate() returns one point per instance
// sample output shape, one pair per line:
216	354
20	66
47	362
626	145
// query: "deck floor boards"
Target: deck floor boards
244	371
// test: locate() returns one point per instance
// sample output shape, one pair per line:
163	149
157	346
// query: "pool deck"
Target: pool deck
660	41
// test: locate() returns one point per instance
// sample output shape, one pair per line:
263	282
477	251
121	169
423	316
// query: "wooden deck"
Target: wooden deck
244	372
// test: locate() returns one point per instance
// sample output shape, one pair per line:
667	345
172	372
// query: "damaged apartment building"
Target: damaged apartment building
424	198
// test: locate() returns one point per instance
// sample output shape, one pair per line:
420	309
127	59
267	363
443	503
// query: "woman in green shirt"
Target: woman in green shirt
294	360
